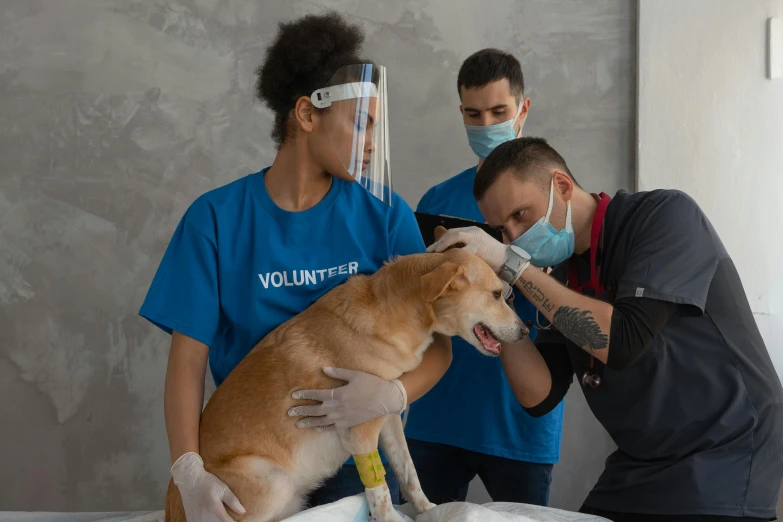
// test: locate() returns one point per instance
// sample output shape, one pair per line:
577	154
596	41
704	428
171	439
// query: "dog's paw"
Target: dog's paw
424	506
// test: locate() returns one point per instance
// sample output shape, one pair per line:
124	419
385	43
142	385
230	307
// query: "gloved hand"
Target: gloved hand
203	494
365	397
476	241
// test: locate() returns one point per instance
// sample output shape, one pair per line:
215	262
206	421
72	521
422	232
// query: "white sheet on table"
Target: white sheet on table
136	516
351	509
355	509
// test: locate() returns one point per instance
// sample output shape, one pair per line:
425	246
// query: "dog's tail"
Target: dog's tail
175	512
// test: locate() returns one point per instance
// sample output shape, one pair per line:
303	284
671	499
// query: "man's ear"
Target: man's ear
564	184
525	106
434	284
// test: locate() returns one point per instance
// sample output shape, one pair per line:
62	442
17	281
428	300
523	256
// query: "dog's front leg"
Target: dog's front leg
362	442
396	450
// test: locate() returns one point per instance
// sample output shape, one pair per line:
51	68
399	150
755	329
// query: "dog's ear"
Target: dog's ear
439	231
434	284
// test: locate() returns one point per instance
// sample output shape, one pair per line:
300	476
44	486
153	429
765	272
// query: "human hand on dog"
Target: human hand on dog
364	398
475	240
203	494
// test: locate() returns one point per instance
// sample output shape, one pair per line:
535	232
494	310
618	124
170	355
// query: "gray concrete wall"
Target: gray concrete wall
116	114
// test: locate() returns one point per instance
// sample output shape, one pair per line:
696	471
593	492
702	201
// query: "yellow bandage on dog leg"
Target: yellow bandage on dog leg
370	469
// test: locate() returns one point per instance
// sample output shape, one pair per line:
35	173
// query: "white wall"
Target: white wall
711	124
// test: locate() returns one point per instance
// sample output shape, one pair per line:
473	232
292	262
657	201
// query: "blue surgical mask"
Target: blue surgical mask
547	246
484	139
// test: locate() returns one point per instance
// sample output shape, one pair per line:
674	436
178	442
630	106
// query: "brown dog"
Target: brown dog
379	324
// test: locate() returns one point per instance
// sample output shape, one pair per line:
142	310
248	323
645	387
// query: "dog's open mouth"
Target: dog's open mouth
487	339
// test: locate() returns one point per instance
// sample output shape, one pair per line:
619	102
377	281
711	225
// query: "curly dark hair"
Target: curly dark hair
302	58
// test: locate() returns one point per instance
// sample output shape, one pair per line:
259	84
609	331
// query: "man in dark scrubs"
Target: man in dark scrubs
646	308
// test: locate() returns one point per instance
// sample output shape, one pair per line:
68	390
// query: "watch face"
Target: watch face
518	251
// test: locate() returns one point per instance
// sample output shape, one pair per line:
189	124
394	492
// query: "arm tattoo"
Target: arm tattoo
580	327
536	295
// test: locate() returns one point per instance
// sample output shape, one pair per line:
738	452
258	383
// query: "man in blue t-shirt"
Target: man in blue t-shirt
471	423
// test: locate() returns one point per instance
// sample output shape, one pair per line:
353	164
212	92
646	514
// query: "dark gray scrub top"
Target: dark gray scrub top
698	418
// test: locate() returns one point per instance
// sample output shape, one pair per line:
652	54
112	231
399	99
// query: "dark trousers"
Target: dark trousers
445	472
632	517
347	484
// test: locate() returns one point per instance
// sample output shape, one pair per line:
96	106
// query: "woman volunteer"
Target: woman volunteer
252	254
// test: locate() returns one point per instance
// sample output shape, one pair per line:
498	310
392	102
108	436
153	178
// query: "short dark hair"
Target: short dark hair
529	159
490	65
303	56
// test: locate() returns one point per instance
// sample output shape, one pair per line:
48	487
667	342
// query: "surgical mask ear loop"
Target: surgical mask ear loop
568	224
519	111
551	201
516	117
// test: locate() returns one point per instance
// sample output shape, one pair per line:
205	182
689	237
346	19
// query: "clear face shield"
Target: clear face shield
356	119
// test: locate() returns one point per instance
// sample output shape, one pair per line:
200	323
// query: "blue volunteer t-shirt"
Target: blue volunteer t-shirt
473	407
238	266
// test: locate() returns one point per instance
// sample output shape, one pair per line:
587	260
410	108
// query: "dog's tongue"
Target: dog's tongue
486	339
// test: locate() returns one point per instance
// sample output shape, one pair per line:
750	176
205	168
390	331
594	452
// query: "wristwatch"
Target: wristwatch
517	260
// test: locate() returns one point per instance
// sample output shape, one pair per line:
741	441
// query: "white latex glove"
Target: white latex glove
476	241
365	397
203	494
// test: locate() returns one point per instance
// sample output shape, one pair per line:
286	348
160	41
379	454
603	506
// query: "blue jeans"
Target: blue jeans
446	471
346	483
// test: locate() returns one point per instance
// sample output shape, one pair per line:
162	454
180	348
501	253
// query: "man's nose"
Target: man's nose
486	119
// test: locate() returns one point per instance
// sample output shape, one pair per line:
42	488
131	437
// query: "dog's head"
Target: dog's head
466	299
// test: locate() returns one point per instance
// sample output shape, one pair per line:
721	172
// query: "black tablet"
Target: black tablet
428	223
